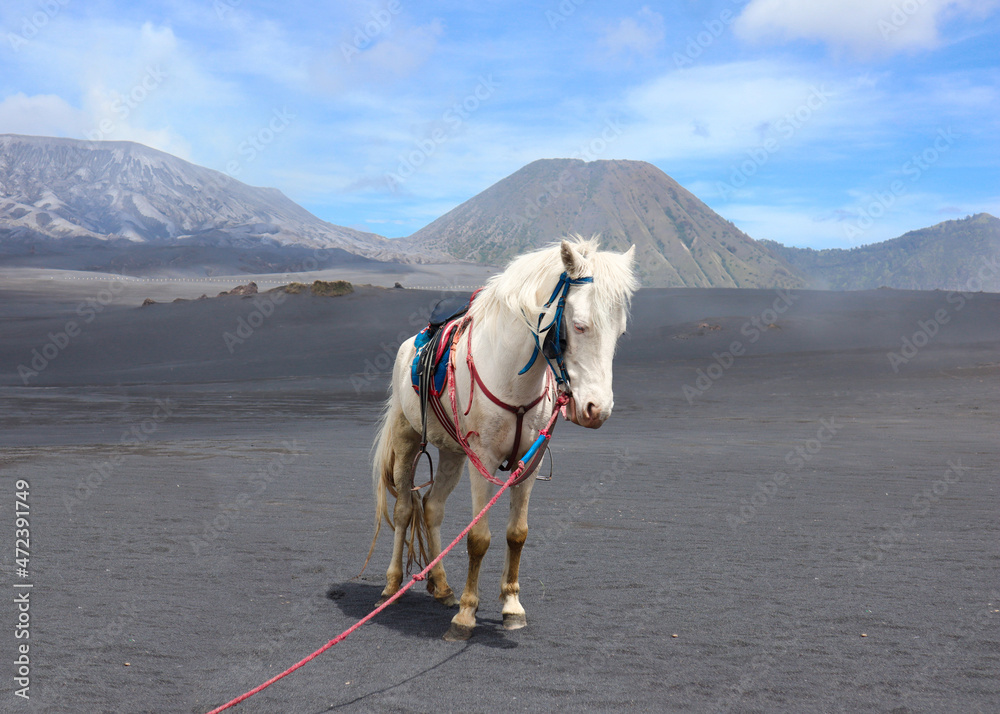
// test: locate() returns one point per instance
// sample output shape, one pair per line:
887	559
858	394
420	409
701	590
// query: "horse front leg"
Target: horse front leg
517	533
478	543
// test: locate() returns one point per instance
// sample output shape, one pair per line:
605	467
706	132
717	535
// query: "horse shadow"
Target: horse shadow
416	614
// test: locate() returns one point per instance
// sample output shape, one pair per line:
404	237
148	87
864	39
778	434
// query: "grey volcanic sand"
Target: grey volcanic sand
793	498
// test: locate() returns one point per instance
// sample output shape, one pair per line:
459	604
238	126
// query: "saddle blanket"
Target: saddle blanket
436	337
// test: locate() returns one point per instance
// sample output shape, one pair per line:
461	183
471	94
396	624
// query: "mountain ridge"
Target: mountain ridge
680	241
124	207
959	254
61	188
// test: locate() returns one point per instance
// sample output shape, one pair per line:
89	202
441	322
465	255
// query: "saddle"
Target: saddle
430	363
429	369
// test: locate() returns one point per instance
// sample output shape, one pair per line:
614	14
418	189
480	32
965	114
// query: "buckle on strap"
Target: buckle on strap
560	292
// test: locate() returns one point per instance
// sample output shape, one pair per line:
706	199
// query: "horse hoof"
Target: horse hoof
382	600
458	633
514	621
448	600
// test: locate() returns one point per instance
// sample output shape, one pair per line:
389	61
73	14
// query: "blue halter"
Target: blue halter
554	330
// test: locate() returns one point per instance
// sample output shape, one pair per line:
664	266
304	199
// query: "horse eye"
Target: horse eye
579	327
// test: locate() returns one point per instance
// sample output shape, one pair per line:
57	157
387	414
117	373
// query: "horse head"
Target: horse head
594	317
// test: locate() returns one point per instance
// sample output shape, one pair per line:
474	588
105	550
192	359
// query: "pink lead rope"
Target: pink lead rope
524	467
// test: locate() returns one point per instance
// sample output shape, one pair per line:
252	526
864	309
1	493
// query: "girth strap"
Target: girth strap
426	367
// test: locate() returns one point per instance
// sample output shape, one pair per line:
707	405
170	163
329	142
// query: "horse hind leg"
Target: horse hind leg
449	473
407	514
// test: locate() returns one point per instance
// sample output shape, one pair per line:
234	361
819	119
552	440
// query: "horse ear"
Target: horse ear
572	262
630	255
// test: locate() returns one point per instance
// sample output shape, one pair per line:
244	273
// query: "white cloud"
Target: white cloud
816	227
115	82
867	27
50	115
789	225
41	115
383	58
640	35
716	110
808	223
259	47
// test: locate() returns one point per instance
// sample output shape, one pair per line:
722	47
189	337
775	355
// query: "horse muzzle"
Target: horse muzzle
590	416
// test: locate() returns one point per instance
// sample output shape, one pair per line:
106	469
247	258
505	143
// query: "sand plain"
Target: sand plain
814	519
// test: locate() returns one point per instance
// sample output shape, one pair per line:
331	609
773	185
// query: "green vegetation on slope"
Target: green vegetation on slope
955	255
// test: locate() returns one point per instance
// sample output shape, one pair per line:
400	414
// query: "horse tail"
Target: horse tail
416	546
383	483
383	463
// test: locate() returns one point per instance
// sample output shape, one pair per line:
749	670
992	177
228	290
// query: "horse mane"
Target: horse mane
528	281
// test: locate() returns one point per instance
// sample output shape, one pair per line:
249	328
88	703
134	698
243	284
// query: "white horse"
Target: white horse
502	330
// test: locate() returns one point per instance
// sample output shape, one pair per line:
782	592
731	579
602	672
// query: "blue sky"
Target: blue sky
821	123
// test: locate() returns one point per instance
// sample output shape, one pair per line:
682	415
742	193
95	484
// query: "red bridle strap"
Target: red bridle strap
519	411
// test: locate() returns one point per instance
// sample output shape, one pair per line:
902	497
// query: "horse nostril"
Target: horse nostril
591	412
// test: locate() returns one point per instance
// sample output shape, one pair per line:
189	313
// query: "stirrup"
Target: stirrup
548	452
430	463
